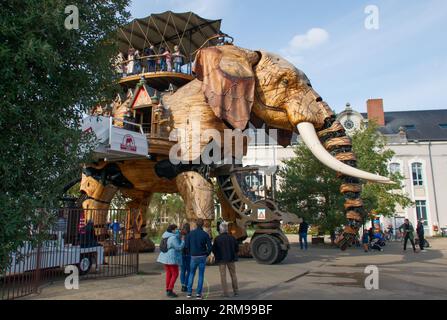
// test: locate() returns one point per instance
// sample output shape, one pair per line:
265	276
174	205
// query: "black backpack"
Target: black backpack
164	245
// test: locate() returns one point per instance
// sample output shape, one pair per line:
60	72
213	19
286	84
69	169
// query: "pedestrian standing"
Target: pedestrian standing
171	247
198	243
365	240
186	260
408	230
225	249
302	232
421	234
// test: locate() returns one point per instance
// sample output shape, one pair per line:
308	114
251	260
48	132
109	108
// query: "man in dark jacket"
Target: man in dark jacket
302	232
198	244
421	234
225	249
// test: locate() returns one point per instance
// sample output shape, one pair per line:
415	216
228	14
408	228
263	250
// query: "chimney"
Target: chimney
375	111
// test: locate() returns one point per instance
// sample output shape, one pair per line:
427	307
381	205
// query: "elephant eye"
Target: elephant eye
285	82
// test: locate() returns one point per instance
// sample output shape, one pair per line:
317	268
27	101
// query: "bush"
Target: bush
290	228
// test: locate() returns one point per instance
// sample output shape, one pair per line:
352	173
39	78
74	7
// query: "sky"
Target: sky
351	50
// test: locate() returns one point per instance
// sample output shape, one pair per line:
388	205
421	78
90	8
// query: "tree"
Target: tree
372	155
312	191
49	77
171	205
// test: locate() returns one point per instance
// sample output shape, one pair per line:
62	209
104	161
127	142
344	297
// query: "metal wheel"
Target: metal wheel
282	255
266	249
84	264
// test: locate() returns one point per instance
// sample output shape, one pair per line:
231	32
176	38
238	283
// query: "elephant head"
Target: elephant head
241	86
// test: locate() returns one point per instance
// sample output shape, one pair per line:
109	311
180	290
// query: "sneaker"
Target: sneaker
199	297
172	294
236	294
423	250
184	288
189	295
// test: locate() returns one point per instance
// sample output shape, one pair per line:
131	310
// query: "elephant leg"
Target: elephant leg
197	193
136	221
231	216
97	204
335	141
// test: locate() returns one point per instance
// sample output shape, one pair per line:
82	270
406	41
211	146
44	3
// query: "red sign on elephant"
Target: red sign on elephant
128	143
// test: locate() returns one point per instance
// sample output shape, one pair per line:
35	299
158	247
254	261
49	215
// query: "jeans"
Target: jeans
151	66
177	67
303	237
201	263
186	270
162	65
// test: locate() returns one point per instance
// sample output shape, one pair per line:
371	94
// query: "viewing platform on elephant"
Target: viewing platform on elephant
160	80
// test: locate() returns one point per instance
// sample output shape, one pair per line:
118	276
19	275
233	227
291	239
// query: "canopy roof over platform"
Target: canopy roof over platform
187	30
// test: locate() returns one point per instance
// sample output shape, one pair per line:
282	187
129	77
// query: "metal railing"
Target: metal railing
99	243
151	64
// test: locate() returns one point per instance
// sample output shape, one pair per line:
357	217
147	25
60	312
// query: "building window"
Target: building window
410	127
443	125
394	168
421	211
416	169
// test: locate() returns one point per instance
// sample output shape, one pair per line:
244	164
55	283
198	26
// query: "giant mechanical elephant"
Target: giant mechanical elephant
233	87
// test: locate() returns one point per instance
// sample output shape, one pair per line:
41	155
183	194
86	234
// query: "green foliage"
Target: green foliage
49	77
369	146
171	205
312	191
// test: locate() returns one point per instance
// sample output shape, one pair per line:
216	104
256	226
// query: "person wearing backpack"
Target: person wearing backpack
171	247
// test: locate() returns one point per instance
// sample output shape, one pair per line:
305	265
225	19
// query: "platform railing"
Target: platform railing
143	66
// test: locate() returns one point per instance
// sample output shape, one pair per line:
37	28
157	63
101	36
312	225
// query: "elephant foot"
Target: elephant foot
141	245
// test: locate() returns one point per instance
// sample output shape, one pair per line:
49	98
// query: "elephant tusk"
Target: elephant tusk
310	138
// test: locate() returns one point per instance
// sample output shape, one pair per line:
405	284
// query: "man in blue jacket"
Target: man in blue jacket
198	244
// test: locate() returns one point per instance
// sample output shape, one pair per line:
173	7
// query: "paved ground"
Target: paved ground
321	272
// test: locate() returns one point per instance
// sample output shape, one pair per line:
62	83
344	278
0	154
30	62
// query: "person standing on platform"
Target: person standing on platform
178	59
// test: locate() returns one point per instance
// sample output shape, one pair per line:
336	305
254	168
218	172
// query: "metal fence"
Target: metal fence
99	243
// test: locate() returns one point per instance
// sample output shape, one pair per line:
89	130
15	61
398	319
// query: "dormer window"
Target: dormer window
443	125
410	127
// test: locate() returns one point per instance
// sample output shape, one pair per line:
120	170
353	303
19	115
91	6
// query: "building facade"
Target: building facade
419	140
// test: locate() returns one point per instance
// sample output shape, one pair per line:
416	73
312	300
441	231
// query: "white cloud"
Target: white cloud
313	38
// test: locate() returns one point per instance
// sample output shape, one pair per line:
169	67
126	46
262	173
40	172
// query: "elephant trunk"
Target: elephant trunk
334	149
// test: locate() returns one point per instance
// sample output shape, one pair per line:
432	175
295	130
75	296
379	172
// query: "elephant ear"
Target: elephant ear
228	82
